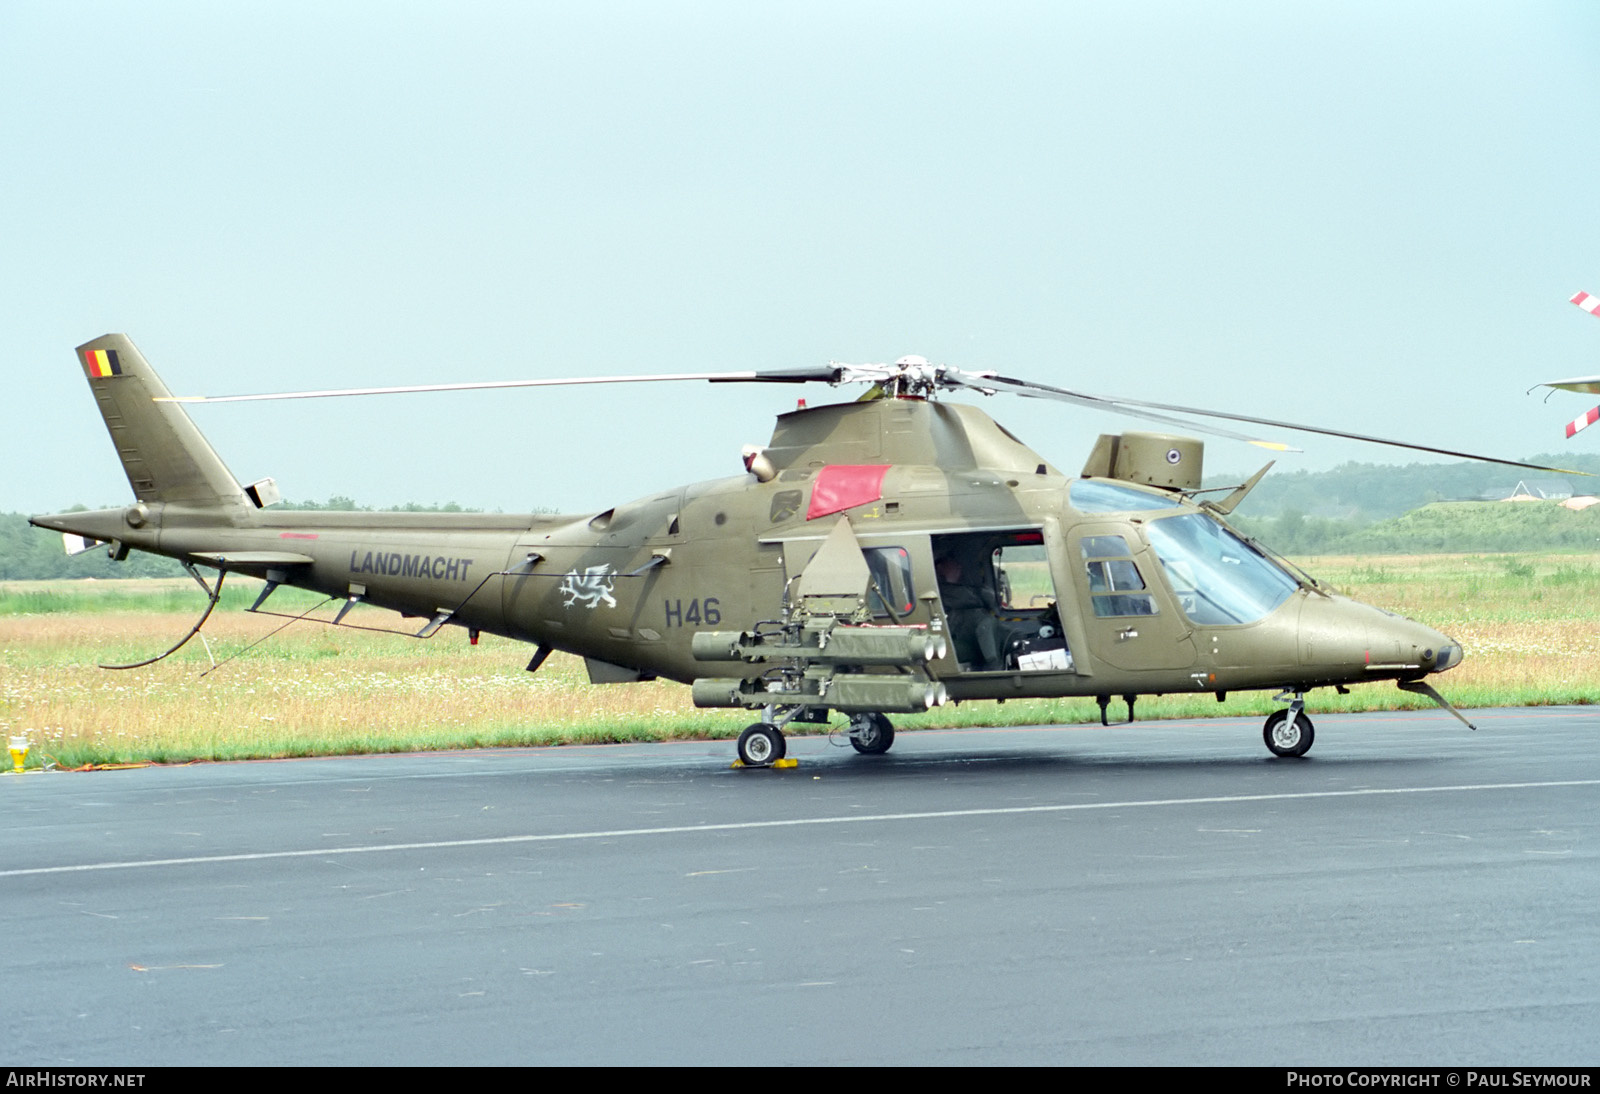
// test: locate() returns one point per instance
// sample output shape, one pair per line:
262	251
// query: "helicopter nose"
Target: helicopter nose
1417	643
1372	640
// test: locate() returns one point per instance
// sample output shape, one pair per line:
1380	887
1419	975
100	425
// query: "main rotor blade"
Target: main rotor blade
989	382
1120	404
822	374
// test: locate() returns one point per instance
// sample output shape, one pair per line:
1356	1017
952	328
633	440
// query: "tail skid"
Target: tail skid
213	594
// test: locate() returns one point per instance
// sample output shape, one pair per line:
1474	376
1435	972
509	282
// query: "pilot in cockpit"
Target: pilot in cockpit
970	607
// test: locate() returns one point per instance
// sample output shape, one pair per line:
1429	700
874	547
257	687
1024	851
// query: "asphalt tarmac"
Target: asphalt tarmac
1166	892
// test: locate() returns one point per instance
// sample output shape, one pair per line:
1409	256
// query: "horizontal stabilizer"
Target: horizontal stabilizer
1589	385
246	560
76	544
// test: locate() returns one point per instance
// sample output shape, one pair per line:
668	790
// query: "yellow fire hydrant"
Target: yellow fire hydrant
19	753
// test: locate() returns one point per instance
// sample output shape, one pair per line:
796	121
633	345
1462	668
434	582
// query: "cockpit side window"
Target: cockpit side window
891	578
1115	583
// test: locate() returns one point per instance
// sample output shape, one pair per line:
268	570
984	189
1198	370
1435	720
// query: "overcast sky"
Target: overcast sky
1366	215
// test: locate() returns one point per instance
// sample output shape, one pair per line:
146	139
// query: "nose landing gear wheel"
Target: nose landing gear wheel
1288	739
871	734
761	745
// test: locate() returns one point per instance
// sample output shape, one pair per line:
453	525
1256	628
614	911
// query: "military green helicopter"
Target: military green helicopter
880	556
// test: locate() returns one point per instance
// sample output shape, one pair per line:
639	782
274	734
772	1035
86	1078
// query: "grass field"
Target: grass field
1527	622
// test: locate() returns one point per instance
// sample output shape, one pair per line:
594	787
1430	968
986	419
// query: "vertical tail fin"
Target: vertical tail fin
164	455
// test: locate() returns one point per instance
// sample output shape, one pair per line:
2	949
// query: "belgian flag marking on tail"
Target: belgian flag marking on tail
101	362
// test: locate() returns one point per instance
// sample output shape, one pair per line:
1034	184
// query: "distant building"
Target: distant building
1541	489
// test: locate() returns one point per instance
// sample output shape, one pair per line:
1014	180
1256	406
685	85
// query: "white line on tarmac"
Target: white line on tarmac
797	822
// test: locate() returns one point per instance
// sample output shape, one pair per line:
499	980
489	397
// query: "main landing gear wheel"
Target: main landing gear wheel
1286	739
871	734
761	745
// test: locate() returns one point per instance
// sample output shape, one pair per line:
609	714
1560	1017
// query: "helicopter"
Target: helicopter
1586	384
880	556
